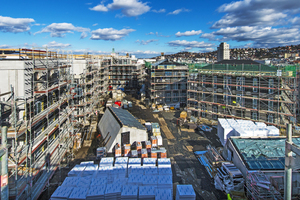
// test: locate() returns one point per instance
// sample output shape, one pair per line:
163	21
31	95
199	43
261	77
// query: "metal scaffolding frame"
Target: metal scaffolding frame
256	92
45	133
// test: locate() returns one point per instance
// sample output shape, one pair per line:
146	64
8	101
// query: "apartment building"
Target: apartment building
125	72
35	89
223	52
46	96
168	82
89	84
243	90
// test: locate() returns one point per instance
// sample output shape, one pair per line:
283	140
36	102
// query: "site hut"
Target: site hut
120	126
263	154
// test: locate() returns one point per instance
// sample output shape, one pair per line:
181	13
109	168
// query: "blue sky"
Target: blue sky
147	28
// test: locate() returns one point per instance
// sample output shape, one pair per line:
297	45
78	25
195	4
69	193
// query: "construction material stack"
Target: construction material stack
185	192
129	192
147	178
139	147
118	150
148	146
127	149
210	159
229	178
153	141
155	129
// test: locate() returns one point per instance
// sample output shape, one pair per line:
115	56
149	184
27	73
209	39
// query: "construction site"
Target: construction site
79	127
243	91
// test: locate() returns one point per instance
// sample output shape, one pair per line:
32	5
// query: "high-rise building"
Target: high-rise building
223	52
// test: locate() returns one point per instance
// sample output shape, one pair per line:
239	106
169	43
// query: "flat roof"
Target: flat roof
125	118
262	153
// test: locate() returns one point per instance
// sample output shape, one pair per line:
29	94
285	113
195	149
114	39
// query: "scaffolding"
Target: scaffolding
44	134
168	82
125	73
255	92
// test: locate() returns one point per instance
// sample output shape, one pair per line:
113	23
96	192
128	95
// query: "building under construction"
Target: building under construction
40	90
168	82
243	90
125	72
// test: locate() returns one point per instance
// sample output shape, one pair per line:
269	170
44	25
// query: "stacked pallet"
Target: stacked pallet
147	193
78	193
163	194
77	170
113	192
96	192
185	192
149	162
61	193
129	192
110	180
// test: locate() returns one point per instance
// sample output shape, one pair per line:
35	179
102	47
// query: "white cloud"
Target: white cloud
60	29
95	24
110	34
151	33
142	42
188	33
129	8
100	8
15	25
83	35
176	12
257	13
55	45
259	36
159	11
190	44
142	54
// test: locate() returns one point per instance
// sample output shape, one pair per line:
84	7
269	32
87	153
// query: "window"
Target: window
254	102
168	87
175	99
270	105
203	96
168	100
215	81
203	107
215	98
239	100
255	84
270	118
254	115
215	110
227	82
240	82
168	94
168	73
227	99
271	85
175	86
